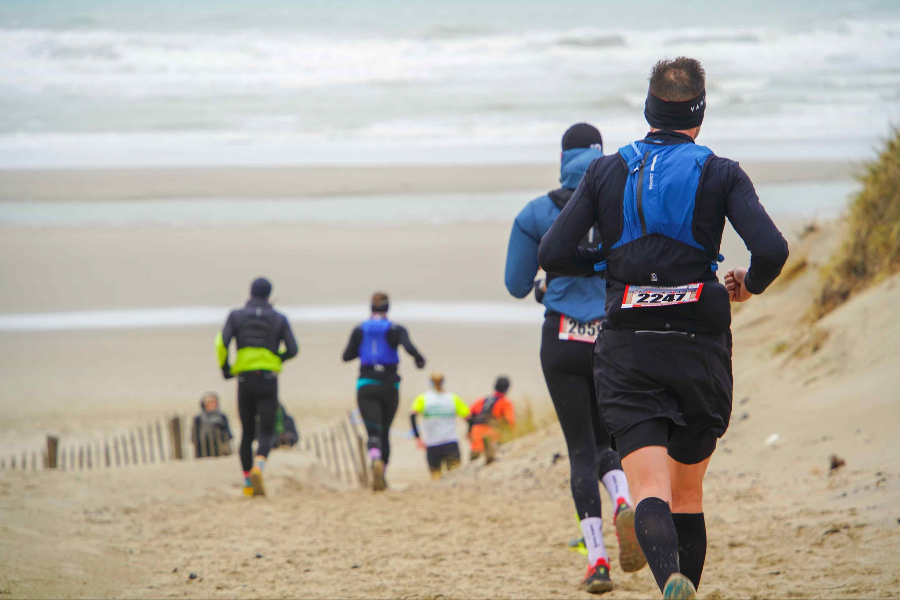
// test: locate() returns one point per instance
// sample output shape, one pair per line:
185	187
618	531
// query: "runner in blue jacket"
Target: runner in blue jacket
575	306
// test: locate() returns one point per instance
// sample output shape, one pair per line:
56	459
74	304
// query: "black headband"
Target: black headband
687	114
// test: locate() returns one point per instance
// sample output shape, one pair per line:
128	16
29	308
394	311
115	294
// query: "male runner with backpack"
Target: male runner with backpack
662	362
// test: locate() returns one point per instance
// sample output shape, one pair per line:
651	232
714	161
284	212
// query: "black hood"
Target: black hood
561	196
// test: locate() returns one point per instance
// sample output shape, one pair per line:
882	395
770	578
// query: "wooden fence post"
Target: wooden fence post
326	451
90	456
175	429
334	453
107	454
159	439
351	452
52	451
134	452
150	442
142	444
316	440
363	463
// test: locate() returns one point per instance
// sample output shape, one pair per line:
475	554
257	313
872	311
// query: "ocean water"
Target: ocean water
93	83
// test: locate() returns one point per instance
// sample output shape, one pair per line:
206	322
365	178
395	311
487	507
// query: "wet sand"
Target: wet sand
300	182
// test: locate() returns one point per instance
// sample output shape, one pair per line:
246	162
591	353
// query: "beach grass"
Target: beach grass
871	251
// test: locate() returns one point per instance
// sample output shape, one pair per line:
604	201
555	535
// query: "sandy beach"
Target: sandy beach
101	377
306	182
781	525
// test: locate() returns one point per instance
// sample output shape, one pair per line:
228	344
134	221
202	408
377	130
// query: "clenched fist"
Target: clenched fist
734	283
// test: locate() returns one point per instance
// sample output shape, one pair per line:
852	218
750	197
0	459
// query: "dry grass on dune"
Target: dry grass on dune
871	251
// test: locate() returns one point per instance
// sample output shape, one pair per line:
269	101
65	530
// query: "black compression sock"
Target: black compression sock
658	538
691	528
608	460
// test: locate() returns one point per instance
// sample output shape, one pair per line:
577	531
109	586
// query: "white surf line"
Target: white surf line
499	313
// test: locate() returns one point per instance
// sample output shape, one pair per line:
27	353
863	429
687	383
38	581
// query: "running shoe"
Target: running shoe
679	587
489	451
577	545
256	482
248	488
378	482
597	579
631	557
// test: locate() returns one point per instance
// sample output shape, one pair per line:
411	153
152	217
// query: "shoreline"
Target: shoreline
313	182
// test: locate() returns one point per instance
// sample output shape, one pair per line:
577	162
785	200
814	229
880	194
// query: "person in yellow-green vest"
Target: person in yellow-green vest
259	331
439	410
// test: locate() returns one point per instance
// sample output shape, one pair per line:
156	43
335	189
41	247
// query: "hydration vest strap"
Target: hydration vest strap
635	161
600	266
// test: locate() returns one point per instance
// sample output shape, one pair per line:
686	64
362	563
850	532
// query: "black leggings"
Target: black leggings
257	395
377	406
569	375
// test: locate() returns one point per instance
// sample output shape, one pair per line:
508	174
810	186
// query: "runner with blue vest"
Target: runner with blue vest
574	308
375	343
662	362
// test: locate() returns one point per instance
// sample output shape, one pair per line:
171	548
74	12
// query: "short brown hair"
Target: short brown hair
380	302
677	80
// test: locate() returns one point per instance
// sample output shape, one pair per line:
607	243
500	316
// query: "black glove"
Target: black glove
539	288
226	371
420	363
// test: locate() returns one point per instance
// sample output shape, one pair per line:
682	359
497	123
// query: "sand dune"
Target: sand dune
780	524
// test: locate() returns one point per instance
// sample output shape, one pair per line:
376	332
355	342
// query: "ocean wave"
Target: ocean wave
102	59
592	41
453	85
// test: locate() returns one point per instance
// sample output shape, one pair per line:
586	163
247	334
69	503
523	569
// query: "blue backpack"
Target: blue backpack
657	244
375	349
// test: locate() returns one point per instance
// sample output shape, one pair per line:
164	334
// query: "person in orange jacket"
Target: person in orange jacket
489	415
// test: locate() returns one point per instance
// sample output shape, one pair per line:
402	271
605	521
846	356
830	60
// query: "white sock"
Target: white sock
617	486
592	528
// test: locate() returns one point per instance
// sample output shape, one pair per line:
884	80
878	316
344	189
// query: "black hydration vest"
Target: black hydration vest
658	276
257	325
486	416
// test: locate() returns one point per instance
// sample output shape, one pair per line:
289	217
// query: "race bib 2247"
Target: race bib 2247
640	296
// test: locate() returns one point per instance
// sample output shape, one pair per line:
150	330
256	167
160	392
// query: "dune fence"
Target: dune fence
157	442
339	447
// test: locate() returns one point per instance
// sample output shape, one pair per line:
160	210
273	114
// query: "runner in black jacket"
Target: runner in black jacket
662	363
259	331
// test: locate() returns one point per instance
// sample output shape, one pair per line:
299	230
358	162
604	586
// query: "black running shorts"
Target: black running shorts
670	389
442	453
